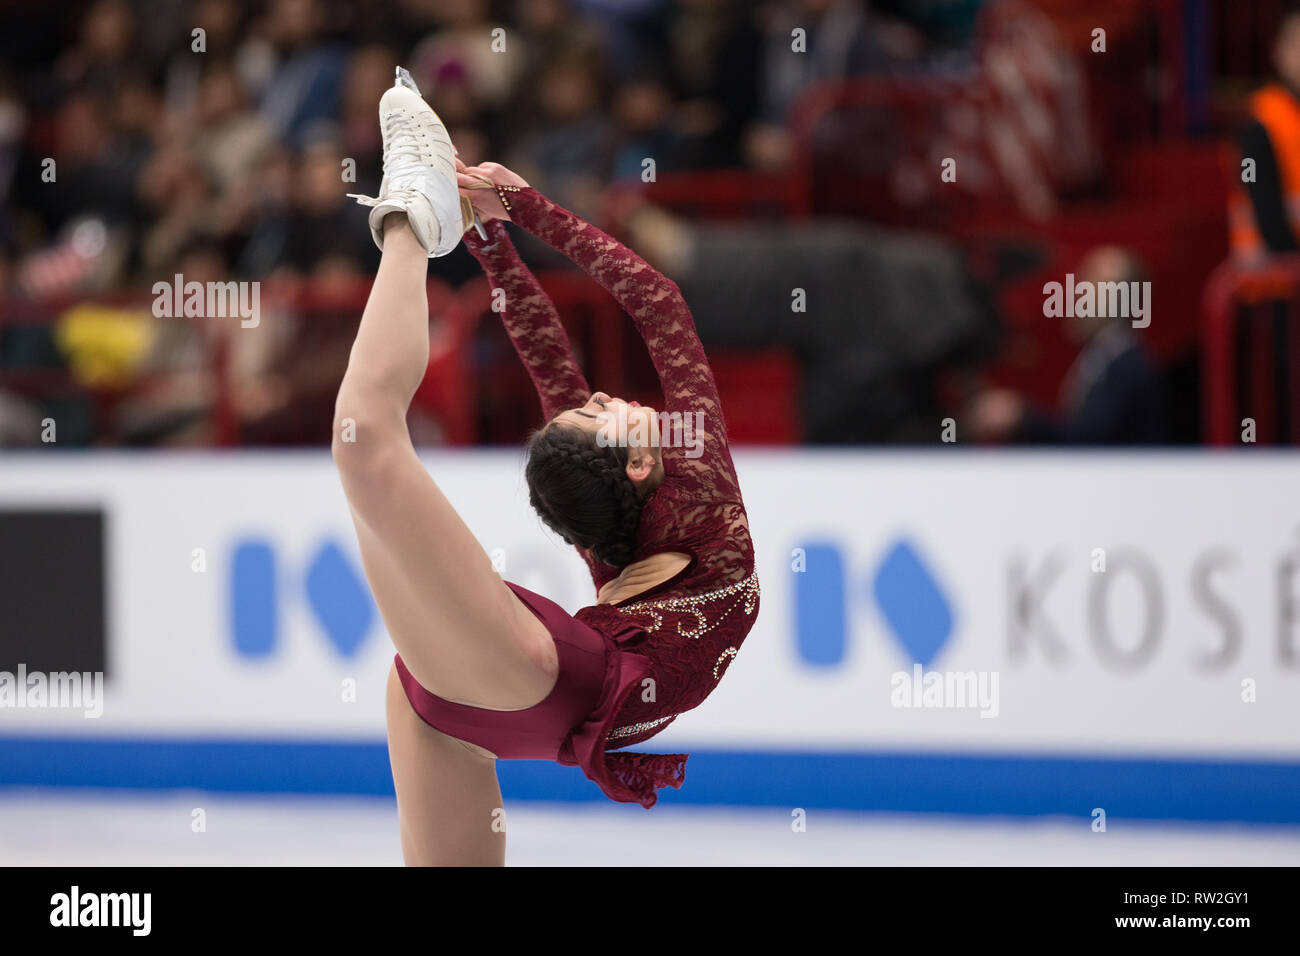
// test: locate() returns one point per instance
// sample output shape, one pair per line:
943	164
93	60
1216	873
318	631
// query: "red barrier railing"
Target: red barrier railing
311	326
1251	352
714	194
459	383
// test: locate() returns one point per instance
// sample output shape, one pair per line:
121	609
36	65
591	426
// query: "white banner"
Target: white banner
1142	604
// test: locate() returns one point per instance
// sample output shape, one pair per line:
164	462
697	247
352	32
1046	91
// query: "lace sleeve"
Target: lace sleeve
532	322
539	338
695	442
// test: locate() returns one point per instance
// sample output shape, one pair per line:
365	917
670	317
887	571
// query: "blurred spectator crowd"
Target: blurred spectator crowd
217	140
228	146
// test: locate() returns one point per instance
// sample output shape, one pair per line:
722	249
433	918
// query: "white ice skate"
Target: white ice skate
419	172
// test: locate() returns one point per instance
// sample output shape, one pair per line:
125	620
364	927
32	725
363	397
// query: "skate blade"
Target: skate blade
403	78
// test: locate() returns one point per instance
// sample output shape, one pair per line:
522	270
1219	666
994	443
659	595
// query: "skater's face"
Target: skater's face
618	423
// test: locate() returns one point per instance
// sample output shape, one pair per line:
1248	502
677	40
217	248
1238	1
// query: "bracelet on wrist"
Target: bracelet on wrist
501	193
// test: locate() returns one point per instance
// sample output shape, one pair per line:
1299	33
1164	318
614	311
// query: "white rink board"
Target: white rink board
973	518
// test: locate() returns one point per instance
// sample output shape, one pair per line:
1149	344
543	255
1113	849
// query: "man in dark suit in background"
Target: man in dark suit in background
1112	395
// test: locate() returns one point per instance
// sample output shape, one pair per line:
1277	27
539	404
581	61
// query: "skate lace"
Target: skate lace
404	162
402	151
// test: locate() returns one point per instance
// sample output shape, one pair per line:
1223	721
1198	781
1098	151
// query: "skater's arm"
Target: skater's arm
534	326
531	321
694	441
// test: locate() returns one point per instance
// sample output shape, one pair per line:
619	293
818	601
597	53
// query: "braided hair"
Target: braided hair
582	492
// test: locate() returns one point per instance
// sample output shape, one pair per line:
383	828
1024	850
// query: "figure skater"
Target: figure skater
485	669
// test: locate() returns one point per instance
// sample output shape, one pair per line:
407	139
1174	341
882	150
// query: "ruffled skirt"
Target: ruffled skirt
572	725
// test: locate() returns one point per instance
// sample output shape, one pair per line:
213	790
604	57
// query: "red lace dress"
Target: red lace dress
669	646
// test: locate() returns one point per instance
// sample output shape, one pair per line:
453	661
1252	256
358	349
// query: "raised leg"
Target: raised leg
462	633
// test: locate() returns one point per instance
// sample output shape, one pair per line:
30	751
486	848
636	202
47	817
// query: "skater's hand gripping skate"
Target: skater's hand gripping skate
488	186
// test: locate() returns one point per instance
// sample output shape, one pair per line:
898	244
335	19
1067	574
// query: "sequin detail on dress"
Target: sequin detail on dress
696	604
632	730
729	652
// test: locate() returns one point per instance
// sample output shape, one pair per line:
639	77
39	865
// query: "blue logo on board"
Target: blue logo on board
915	608
338	597
907	593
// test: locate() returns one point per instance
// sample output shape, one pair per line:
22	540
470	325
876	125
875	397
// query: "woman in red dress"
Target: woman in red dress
485	669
